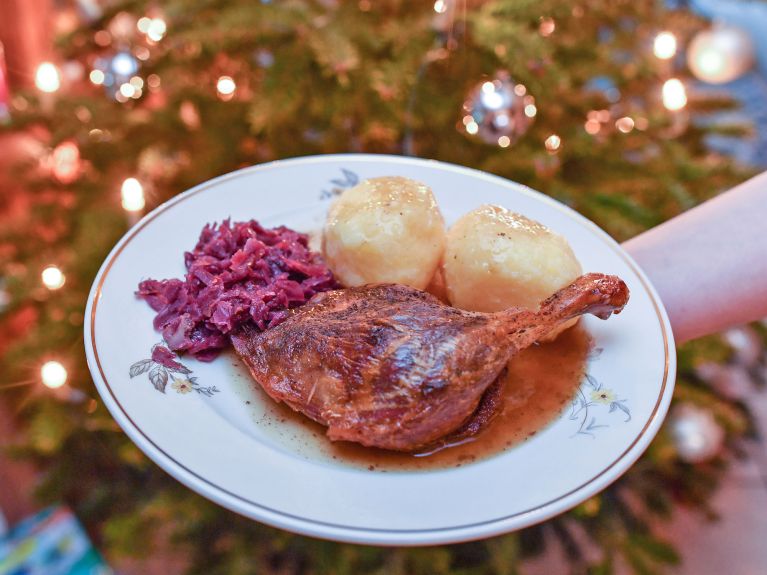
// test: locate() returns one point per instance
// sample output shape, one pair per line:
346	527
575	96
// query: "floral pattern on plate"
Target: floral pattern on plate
349	180
162	367
591	401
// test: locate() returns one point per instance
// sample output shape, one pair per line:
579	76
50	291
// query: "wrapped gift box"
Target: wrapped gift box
50	543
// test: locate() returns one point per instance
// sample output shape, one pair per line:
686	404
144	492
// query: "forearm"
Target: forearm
709	264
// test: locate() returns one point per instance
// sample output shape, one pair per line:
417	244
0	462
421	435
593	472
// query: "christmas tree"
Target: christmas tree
586	102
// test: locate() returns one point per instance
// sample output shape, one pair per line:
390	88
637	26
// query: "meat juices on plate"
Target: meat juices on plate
392	367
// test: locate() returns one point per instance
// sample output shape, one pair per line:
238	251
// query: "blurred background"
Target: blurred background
630	112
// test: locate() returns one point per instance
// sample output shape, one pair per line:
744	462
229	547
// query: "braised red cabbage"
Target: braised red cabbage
237	273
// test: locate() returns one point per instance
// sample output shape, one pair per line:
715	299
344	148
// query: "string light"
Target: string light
156	29
504	141
132	193
664	46
624	124
127	90
674	94
97	77
225	87
65	162
592	126
531	110
440	6
53	374
547	27
553	143
53	278
47	78
143	24
142	53
472	127
102	38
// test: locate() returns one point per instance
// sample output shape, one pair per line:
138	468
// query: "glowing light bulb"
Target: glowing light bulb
531	110
47	78
504	141
225	86
53	374
472	127
547	27
132	193
102	38
674	94
592	126
153	80
440	6
97	77
53	278
664	46
625	124
143	24
156	29
553	143
65	162
127	90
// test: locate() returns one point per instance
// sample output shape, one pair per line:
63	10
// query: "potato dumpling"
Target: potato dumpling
384	230
496	259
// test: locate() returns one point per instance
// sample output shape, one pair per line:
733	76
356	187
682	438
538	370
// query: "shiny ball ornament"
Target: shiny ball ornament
119	73
746	345
498	111
696	435
721	54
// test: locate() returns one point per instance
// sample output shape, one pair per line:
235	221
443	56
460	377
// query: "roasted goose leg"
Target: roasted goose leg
392	367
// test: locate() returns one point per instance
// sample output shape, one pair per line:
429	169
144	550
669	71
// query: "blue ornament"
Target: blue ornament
498	111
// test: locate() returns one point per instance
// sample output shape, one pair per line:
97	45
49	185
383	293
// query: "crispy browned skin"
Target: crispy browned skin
392	367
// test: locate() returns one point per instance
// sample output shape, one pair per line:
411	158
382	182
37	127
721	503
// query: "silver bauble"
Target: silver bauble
119	68
720	54
696	434
498	110
746	345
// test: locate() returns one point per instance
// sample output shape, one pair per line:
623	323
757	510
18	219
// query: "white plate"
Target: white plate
240	456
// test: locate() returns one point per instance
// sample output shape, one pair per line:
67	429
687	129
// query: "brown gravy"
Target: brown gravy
540	383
